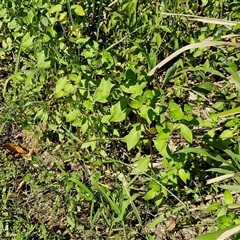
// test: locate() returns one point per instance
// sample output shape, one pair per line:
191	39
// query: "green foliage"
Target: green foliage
80	69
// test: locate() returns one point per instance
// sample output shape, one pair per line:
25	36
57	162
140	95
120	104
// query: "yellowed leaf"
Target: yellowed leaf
15	148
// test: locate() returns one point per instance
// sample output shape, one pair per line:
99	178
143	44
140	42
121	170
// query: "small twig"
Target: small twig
112	3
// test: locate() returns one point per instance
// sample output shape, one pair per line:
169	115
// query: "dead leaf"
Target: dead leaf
70	234
29	155
15	148
171	223
20	186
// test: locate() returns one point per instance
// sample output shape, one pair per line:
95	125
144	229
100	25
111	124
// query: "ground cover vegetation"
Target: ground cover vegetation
100	139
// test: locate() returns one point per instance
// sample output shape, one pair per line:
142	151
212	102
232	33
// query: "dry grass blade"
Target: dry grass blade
221	178
214	21
229	233
204	43
203	19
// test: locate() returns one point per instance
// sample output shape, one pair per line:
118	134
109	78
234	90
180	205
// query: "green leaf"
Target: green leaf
175	111
170	73
227	133
41	63
135	104
204	88
27	41
133	137
213	235
150	194
88	54
141	165
103	91
147	113
234	188
119	111
3	13
235	76
204	153
135	90
106	57
211	133
61	84
186	133
106	194
72	116
162	146
184	175
56	8
228	197
228	112
78	10
158	39
82	188
90	143
152	59
156	221
105	119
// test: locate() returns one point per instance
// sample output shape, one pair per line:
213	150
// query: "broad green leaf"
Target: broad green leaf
162	147
211	133
3	13
84	126
91	143
106	57
119	111
106	118
56	8
133	137
44	21
147	113
141	165
103	91
175	111
204	88
152	59
88	104
72	116
135	104
41	63
27	41
227	133
165	29
186	132
148	94
60	94
150	194
78	10
228	197
135	90
88	54
77	123
61	84
184	175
